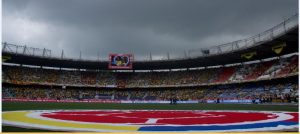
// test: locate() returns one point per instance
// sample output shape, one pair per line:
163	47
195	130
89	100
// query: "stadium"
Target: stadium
252	86
247	85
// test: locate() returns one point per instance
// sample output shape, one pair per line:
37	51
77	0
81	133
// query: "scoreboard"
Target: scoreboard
120	61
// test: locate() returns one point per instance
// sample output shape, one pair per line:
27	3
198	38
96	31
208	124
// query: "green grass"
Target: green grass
12	106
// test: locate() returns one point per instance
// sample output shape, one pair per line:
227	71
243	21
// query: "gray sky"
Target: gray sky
137	26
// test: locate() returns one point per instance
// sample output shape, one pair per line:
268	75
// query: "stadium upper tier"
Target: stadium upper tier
267	69
279	40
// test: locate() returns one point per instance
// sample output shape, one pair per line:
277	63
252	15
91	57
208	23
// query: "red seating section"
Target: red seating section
225	74
289	68
258	71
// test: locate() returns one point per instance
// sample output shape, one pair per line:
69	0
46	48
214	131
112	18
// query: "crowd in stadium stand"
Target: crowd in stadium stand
60	82
262	70
274	92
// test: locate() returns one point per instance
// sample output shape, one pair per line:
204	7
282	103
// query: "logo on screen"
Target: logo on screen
120	61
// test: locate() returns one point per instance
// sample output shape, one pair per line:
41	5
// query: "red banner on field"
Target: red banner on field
120	61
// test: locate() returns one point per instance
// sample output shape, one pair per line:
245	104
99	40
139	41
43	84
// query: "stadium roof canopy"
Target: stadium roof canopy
283	37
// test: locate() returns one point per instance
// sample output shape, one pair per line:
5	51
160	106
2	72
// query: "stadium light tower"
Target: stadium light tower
168	55
80	55
205	51
4	46
185	54
62	54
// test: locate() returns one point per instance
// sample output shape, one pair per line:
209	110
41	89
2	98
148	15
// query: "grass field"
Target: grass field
12	106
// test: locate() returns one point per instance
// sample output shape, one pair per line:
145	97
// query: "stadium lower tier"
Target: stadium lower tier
276	90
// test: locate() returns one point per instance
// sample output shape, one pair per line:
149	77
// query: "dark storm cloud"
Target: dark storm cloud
137	26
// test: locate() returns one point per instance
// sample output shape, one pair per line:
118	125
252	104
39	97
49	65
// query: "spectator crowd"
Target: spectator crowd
184	85
246	72
266	93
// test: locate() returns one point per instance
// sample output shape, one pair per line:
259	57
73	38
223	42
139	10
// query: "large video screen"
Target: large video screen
120	61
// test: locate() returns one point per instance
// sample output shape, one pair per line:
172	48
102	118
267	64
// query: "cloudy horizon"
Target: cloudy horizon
137	26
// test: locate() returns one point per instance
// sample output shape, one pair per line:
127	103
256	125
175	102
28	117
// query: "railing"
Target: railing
18	49
263	37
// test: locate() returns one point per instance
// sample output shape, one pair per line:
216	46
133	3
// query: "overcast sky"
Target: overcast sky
137	26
